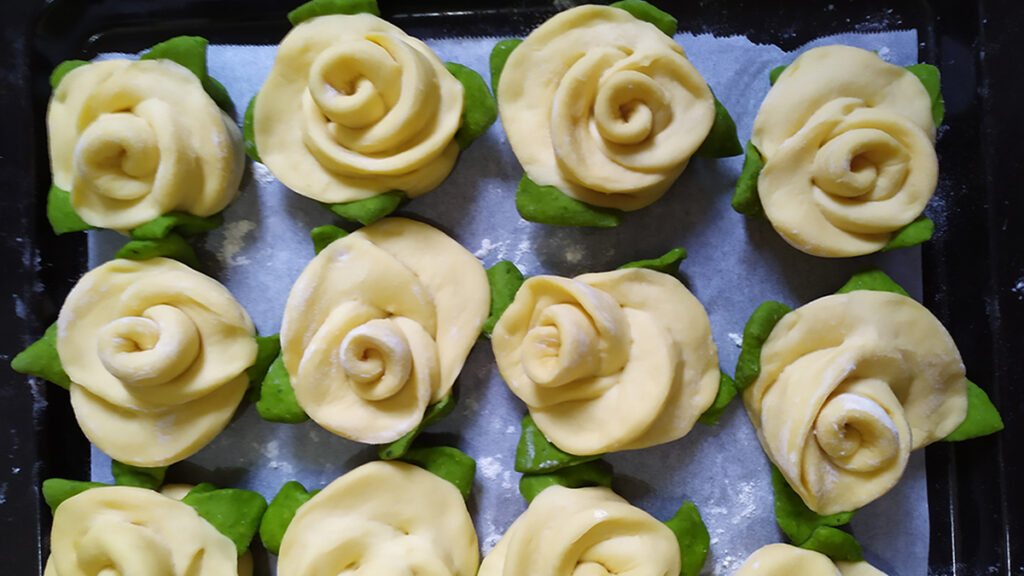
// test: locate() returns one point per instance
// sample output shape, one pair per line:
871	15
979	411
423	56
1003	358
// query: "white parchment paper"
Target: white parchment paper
734	264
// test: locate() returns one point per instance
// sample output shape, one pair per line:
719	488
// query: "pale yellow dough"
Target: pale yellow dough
354	107
608	361
849	385
156	353
603	106
134	140
786	560
382	518
848	145
378	327
584	532
121	530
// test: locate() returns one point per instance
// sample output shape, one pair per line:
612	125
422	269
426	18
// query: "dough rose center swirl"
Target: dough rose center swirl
151	349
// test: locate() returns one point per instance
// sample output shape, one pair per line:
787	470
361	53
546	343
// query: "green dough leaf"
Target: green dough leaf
834	543
745	199
930	77
917	232
180	222
62	70
128	475
219	94
40	359
368	210
982	416
548	205
190	52
323	236
57	490
726	392
536	454
593	473
644	11
61	213
448	463
873	279
434	413
277	401
329	7
668	263
722	141
794	517
202	488
773	76
499	55
692	535
249	131
268	348
760	325
505	280
280	512
479	110
170	246
234	513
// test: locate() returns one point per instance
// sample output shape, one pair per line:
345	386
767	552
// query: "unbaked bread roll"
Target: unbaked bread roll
382	518
134	140
122	530
354	107
378	327
584	532
849	385
603	106
156	353
786	560
848	145
608	361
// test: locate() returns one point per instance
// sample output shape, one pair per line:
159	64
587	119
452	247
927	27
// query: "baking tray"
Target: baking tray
973	269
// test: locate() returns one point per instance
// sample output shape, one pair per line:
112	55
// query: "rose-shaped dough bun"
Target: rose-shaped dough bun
156	353
378	326
382	518
608	361
127	531
849	385
603	106
584	532
134	140
848	145
786	560
353	108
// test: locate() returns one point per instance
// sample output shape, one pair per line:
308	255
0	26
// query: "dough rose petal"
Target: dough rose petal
610	361
849	385
378	327
121	530
603	106
354	107
786	560
382	518
156	353
848	145
134	140
583	532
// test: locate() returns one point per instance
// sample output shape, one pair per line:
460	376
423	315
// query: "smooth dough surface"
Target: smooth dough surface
849	385
848	145
603	106
584	532
382	518
786	560
355	107
156	353
134	140
127	531
378	326
608	361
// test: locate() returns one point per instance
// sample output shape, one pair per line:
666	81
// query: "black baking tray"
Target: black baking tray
973	268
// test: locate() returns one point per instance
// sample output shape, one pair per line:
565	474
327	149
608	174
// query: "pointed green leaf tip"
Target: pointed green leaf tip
170	246
330	7
668	263
249	131
479	110
930	77
434	413
548	205
190	52
648	13
745	199
505	280
721	141
499	56
280	513
982	416
536	454
277	401
368	210
234	513
593	473
181	222
62	70
128	475
802	525
61	213
446	462
324	236
726	392
57	490
917	232
41	360
873	279
773	76
692	535
760	325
